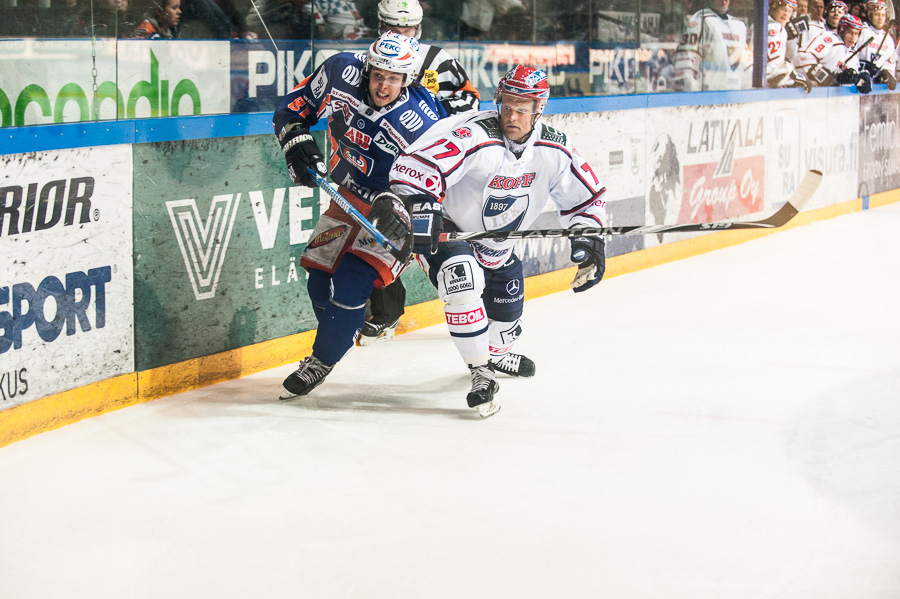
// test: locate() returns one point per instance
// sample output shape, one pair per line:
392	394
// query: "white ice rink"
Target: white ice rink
726	427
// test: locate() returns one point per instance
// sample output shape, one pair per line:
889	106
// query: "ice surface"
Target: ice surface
726	426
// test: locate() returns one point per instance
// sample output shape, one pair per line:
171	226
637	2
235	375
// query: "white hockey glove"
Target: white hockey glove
590	255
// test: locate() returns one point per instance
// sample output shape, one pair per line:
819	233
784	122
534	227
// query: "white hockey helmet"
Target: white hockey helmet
400	13
395	53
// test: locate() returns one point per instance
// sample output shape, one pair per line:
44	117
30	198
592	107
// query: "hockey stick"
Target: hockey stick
355	214
781	217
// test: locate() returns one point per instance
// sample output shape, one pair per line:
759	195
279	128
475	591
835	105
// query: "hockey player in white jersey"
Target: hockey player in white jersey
780	72
713	52
441	74
877	46
495	172
805	28
829	59
834	10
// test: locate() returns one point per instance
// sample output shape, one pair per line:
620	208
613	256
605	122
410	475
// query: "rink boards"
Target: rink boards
138	270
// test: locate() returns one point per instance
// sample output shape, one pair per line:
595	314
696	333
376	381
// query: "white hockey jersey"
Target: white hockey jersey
825	56
804	31
466	161
713	53
877	48
779	72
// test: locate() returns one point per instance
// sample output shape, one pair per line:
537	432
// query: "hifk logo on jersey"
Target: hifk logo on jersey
504	213
358	137
501	182
462	132
203	244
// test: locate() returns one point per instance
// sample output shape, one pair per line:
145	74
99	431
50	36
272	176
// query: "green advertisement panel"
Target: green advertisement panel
218	233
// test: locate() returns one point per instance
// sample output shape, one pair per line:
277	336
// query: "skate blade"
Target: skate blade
486	410
365	340
285	394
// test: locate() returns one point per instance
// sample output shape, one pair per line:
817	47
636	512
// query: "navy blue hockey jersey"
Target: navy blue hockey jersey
364	140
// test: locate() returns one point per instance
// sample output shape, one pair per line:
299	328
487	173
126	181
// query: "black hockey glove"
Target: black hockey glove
796	27
801	81
864	83
869	67
427	223
589	253
301	152
888	78
390	217
847	77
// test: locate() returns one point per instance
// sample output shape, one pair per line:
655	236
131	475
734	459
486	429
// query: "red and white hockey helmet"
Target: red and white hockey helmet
837	5
849	21
875	5
524	82
395	53
792	4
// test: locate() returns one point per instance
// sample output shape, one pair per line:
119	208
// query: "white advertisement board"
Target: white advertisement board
57	81
66	286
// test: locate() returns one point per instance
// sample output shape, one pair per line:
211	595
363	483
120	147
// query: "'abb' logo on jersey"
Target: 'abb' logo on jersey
358	137
501	182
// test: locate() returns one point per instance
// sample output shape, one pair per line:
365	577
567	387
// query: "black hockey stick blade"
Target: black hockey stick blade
781	217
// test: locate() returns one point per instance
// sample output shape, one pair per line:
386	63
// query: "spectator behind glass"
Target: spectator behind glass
285	19
163	25
110	19
477	19
802	8
339	19
215	19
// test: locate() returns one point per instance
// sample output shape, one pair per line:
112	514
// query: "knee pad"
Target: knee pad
318	286
460	280
504	293
502	335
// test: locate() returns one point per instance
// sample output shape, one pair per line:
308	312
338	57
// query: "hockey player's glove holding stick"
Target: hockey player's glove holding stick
301	152
886	77
427	223
390	216
589	253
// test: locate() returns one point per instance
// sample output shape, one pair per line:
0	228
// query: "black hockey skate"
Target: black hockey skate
514	365
481	397
372	332
306	378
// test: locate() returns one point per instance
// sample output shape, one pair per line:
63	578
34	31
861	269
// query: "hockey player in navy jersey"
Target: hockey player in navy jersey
447	79
373	114
485	171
